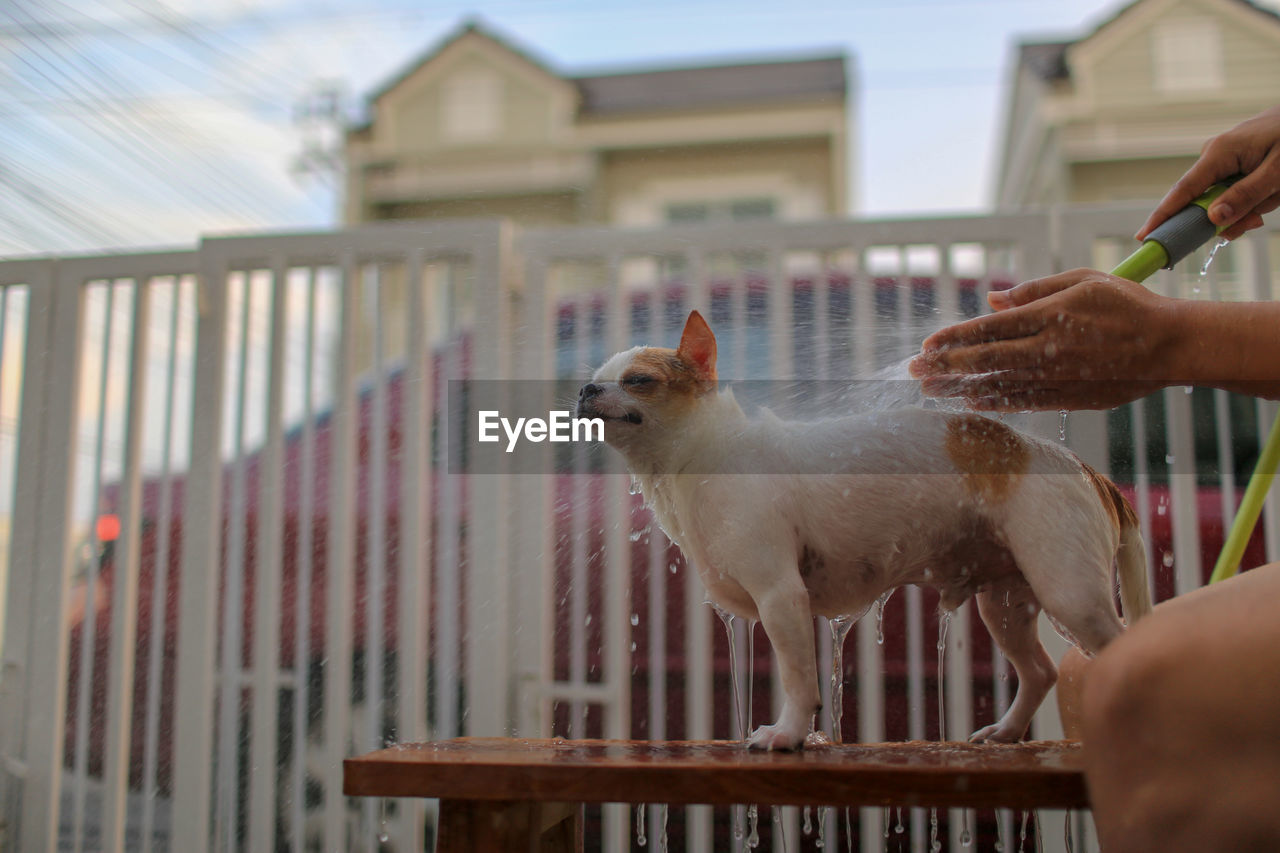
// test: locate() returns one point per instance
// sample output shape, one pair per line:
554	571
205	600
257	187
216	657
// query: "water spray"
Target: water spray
1177	237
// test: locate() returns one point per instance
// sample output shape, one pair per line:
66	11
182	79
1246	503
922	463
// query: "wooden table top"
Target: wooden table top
1037	774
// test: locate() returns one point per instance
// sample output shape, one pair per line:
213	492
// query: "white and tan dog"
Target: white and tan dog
785	520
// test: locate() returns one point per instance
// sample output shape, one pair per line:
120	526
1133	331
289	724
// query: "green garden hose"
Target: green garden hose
1177	237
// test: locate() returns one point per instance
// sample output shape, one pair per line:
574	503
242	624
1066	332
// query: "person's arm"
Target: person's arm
1231	345
1084	340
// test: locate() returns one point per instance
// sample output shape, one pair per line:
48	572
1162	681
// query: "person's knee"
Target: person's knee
1122	693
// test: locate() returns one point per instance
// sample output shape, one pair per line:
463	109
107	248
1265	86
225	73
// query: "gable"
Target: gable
1157	52
474	91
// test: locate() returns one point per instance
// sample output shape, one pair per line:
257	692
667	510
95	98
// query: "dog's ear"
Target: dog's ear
698	346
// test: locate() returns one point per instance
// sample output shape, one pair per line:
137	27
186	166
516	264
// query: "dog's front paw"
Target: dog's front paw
775	737
996	734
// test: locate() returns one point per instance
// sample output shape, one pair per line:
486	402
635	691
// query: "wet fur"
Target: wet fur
783	520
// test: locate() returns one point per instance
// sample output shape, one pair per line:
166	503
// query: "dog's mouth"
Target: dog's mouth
625	417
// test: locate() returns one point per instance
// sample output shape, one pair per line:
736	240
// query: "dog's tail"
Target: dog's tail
1131	555
1131	558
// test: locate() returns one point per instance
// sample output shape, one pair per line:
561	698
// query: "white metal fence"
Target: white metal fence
238	551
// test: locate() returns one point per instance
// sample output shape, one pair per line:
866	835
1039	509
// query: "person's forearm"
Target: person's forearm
1229	345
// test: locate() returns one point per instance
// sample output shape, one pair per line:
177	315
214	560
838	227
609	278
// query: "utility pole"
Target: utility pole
320	117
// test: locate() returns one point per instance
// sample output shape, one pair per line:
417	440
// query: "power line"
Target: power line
164	119
88	26
136	141
175	102
63	214
187	28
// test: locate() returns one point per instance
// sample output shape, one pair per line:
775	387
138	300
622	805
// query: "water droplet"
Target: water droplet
965	838
1167	559
899	828
880	603
753	821
808	820
944	622
635	535
640	837
840	627
1188	389
1162	510
635	619
1062	425
1168	458
672	568
1213	253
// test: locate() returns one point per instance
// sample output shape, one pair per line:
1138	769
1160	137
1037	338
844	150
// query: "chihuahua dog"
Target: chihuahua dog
787	520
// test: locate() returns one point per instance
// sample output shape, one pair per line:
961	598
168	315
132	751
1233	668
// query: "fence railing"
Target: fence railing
242	543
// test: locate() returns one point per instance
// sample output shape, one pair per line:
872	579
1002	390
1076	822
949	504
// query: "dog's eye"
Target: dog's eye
638	380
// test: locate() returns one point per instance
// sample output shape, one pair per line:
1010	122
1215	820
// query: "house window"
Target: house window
683	214
729	210
471	106
751	208
1187	53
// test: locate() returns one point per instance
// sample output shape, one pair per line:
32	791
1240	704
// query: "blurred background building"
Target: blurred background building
1122	113
478	127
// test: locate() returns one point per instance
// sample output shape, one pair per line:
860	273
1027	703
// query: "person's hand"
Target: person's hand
1078	340
1252	149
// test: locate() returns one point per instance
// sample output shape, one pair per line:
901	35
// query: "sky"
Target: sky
142	123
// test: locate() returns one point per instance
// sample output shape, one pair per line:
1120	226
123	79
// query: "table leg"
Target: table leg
480	826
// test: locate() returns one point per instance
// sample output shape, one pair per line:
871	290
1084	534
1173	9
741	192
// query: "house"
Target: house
1122	113
478	127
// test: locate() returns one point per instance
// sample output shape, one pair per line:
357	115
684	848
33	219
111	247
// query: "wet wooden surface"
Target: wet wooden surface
1038	774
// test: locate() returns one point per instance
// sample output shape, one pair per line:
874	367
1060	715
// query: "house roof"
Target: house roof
712	85
1048	59
611	92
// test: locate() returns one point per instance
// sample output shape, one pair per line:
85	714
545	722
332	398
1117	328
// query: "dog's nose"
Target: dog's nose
588	391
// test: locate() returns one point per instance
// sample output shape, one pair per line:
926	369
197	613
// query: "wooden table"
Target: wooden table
507	794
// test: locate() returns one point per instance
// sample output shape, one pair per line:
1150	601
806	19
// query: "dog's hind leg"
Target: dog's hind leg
1010	611
1069	568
